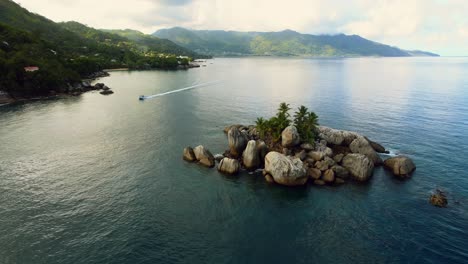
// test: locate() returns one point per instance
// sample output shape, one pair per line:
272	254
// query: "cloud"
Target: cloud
436	25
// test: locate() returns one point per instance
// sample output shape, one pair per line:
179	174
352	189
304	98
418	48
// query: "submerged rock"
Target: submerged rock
237	142
439	199
339	181
189	155
285	170
359	166
229	166
290	137
204	156
319	182
401	166
106	92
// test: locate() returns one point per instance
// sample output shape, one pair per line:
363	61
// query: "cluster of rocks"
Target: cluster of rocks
337	157
85	86
188	66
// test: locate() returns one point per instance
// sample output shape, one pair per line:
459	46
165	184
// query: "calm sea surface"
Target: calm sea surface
96	179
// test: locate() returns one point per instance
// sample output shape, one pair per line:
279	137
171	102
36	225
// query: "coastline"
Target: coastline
77	88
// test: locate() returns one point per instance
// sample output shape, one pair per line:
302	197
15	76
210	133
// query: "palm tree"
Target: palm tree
300	115
261	124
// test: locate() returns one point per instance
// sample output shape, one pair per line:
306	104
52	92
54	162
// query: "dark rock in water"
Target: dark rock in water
106	92
401	166
237	142
229	166
204	156
339	181
376	146
319	182
359	166
439	199
99	86
189	155
105	88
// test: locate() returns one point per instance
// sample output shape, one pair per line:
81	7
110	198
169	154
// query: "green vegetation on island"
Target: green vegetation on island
304	121
284	43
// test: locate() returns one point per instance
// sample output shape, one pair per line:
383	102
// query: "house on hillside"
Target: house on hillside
31	68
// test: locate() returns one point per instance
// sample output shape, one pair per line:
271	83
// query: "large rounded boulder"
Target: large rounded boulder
237	141
362	146
251	157
285	170
204	156
401	166
336	137
359	166
290	137
229	166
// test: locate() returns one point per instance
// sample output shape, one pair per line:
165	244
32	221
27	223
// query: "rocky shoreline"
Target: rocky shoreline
71	89
336	157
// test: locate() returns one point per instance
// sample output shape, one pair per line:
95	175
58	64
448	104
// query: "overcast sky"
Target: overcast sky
440	26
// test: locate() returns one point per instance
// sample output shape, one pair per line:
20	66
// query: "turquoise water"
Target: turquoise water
96	179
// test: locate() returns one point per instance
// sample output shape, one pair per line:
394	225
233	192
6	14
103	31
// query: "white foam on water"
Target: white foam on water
181	90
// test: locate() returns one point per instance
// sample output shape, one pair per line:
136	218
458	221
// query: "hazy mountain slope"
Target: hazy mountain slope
288	42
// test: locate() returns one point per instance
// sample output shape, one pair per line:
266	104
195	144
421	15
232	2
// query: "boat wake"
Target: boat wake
145	97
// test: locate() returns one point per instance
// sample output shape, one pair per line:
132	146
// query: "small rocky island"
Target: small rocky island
292	153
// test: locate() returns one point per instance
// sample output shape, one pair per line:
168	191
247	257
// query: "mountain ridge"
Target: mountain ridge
283	43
